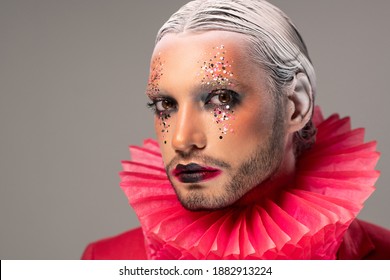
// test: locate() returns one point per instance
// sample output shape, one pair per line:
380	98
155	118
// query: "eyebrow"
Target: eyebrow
212	84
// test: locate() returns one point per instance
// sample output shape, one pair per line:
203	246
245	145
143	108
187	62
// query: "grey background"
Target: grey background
72	80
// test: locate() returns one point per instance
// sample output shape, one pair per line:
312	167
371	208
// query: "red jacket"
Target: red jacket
361	241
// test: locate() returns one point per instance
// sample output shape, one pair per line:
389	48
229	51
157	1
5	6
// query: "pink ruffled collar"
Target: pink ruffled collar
307	221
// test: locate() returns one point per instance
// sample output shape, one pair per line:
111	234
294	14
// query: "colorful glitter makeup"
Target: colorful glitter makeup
153	91
164	125
222	117
216	74
217	70
156	73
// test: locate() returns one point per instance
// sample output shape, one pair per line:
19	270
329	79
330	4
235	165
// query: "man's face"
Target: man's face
220	129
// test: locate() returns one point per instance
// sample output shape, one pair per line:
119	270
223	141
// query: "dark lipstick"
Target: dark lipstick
194	173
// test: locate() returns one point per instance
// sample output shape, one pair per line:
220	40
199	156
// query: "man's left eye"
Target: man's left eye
221	97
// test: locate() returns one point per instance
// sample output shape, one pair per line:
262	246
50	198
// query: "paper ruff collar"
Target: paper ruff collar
307	221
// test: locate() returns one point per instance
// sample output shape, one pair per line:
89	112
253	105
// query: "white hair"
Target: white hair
274	41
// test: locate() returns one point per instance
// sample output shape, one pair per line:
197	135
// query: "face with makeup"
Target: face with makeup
221	129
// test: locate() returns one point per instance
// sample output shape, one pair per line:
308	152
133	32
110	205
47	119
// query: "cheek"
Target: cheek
250	128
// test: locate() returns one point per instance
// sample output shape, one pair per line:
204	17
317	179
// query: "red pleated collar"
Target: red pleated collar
306	221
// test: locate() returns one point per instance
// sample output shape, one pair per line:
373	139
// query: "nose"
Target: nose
189	132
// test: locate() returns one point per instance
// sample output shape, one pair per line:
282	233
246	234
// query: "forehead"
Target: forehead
199	43
183	57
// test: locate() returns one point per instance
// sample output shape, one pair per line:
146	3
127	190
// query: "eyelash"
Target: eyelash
208	101
154	103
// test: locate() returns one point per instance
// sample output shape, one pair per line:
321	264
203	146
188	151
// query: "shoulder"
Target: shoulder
365	240
125	246
380	238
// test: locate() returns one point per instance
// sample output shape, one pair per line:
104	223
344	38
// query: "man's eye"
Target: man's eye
222	97
164	105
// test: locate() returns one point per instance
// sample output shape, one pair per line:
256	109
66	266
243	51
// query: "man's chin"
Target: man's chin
198	208
197	201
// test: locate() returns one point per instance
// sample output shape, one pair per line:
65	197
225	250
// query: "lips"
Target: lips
194	173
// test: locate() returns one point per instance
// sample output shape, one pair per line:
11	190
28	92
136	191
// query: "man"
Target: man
232	88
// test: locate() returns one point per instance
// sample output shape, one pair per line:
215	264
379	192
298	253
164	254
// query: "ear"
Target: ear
300	103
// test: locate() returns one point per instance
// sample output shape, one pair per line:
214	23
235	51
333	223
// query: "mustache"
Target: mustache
203	160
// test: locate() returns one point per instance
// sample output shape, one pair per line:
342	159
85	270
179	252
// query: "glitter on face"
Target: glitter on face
156	72
216	73
165	126
153	90
217	70
223	117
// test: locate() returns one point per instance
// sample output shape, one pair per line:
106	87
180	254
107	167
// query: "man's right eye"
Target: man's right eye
162	105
